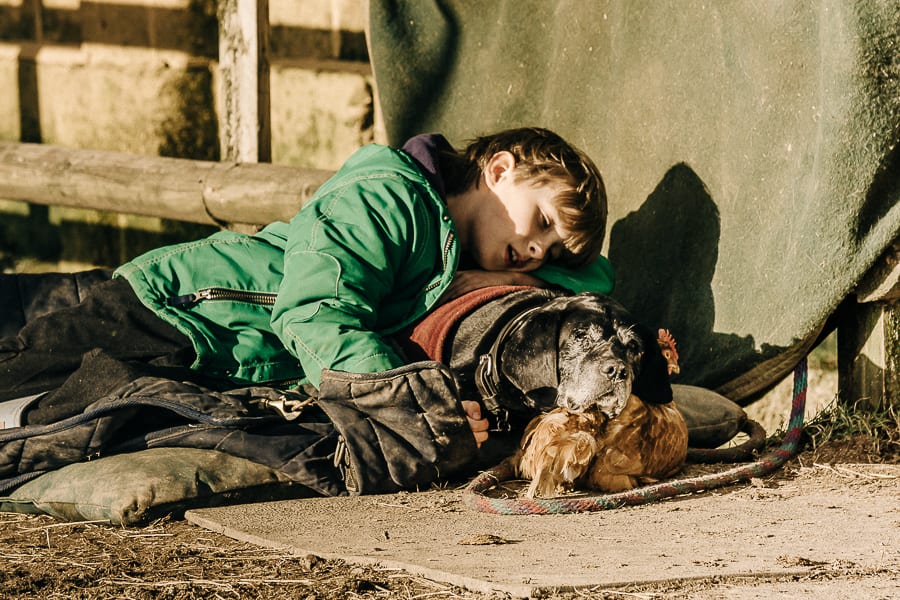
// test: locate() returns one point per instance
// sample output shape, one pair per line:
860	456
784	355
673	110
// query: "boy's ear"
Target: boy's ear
500	164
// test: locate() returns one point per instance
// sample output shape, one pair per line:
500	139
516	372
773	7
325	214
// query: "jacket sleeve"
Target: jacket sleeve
342	259
400	430
597	277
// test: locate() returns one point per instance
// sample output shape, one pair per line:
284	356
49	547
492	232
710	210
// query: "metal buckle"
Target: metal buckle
503	425
484	376
344	466
289	409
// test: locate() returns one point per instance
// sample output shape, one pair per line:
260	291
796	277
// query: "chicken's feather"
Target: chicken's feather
564	450
557	450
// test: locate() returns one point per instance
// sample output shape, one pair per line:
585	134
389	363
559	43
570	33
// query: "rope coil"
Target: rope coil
474	495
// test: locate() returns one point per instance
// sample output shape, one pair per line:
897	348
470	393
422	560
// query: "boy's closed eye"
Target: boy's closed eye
546	223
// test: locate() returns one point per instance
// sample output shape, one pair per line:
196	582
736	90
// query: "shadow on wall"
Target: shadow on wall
192	130
665	256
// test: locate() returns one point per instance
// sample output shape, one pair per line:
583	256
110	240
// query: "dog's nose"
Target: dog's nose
614	370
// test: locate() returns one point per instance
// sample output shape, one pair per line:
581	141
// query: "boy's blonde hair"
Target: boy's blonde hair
543	157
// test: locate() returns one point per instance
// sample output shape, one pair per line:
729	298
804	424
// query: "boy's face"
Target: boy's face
516	226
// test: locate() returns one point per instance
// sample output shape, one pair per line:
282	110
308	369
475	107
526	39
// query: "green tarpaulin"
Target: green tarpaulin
749	148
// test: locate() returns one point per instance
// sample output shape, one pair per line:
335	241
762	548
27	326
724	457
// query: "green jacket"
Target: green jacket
369	254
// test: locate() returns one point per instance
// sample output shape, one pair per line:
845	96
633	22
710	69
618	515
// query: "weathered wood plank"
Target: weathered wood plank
869	336
220	193
244	132
869	354
263	85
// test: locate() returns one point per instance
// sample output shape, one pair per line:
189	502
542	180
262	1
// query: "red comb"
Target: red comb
667	345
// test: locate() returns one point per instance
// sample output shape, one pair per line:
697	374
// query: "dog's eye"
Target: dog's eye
633	347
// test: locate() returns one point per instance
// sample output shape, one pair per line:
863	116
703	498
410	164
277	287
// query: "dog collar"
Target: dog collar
487	373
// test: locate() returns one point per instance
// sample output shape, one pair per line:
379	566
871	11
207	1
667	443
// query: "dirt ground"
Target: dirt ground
44	558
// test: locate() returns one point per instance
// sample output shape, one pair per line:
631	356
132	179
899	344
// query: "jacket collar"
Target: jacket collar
425	150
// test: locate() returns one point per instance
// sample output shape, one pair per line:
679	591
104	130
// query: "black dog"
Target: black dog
533	350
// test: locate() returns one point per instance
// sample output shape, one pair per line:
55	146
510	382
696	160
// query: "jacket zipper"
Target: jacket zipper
217	293
447	245
450	238
262	298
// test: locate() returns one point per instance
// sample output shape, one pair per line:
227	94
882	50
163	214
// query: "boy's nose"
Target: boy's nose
536	249
539	245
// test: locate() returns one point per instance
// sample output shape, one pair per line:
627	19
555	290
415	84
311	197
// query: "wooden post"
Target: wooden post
869	337
244	126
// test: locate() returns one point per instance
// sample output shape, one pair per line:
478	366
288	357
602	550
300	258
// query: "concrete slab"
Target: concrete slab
821	517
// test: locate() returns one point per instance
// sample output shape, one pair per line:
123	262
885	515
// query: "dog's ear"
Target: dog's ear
652	382
528	359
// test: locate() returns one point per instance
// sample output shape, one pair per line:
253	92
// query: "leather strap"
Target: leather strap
487	373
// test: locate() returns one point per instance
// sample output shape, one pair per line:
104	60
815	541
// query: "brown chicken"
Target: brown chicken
563	450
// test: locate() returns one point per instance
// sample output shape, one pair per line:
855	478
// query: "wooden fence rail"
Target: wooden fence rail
212	193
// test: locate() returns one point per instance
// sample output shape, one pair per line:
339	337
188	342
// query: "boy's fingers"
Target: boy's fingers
478	425
480	438
472	409
481	435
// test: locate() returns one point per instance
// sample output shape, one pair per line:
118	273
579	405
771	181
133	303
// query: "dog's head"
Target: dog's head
585	352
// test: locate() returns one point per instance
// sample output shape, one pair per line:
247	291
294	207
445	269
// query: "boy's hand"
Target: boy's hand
467	281
476	422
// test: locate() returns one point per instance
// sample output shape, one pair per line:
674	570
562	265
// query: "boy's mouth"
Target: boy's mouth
512	257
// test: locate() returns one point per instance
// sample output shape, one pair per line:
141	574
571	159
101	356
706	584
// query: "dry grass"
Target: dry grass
872	435
42	558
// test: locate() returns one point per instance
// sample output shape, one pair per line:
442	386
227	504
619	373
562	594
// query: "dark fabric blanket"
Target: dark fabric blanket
750	150
361	433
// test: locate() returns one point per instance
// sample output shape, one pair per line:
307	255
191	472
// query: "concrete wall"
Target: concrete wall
140	76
